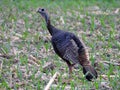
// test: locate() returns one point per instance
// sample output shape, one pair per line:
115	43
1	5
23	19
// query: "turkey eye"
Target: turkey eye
42	9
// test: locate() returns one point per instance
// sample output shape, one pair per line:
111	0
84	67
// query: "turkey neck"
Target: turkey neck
52	30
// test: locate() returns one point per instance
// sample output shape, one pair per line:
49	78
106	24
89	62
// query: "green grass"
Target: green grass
23	33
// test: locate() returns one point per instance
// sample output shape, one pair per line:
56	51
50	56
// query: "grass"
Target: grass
23	33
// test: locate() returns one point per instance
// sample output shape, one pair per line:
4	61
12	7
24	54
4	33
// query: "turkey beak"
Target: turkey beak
39	10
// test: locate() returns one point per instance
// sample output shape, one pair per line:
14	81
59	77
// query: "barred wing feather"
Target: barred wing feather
71	52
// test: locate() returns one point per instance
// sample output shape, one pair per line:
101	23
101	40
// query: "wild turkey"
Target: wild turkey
69	48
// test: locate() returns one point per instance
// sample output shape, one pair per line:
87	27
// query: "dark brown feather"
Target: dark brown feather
71	52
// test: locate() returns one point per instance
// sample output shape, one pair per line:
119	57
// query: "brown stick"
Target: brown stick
51	81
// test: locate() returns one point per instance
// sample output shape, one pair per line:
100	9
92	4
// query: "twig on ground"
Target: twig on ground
48	66
112	63
111	76
33	63
1	65
6	56
107	62
51	81
33	58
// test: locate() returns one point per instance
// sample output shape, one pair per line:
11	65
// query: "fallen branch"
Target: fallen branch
51	81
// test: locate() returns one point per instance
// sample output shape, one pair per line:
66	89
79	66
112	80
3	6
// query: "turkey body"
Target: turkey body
69	47
65	46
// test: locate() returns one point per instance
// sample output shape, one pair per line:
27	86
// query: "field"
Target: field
25	47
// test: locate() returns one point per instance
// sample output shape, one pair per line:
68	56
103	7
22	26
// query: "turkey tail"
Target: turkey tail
89	72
